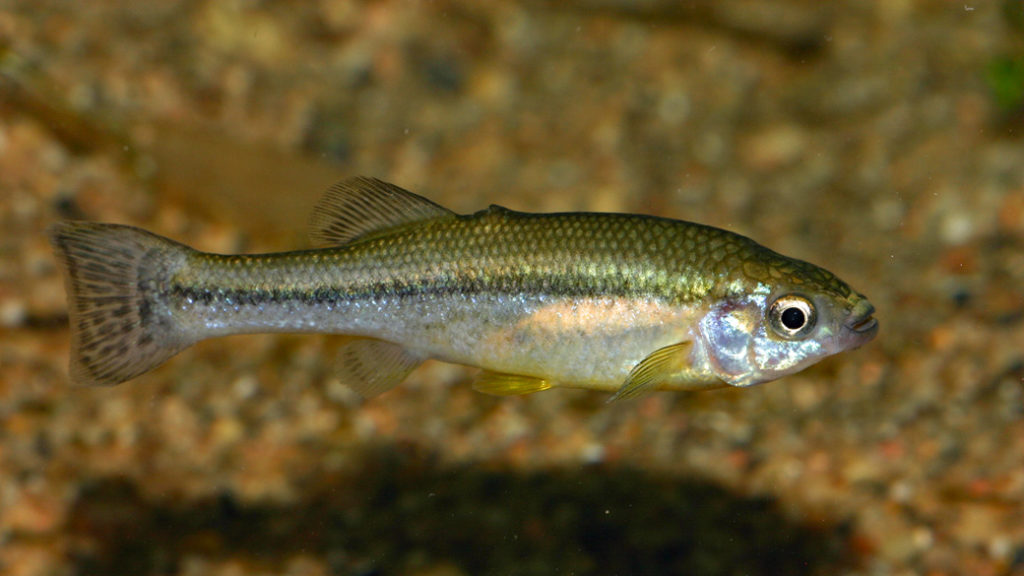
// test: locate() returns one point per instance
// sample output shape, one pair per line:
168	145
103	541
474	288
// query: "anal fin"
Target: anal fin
372	367
502	384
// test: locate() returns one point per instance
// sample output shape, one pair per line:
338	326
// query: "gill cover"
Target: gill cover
728	331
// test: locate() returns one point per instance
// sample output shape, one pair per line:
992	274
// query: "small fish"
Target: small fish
617	302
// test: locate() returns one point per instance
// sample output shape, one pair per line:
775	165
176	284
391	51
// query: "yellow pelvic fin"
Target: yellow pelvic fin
665	366
360	207
501	384
372	367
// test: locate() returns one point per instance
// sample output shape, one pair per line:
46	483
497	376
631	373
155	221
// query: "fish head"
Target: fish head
783	325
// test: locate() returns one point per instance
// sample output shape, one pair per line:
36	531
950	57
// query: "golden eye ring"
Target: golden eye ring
792	316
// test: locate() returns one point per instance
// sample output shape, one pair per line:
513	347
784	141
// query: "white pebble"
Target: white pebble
12	313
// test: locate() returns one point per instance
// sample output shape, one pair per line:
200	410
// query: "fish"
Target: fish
623	303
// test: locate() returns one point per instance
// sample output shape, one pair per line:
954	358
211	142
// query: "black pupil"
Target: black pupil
793	318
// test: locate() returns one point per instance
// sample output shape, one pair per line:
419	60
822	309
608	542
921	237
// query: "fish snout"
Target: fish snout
860	325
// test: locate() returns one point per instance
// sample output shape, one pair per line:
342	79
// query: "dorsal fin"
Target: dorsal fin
361	206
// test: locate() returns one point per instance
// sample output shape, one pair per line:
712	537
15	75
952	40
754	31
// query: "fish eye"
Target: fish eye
792	316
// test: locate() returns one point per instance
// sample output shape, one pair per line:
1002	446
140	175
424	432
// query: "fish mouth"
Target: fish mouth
863	325
861	322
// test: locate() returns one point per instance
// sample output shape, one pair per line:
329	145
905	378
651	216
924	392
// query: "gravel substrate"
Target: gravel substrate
881	140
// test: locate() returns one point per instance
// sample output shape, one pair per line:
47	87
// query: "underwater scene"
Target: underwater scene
357	307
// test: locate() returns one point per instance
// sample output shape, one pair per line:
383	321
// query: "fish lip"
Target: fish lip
861	321
863	325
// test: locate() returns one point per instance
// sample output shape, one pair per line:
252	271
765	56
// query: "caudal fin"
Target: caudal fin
114	276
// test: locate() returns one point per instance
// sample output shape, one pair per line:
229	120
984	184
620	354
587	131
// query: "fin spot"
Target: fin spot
108	269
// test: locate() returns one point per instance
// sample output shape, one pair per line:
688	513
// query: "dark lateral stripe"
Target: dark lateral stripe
537	284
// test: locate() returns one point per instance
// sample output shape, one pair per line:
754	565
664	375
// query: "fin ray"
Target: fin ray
372	367
359	207
502	384
117	332
668	365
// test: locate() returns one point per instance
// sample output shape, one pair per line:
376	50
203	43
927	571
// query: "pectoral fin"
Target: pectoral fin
372	367
501	384
666	367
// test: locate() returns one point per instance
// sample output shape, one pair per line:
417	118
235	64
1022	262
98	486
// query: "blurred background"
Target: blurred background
881	140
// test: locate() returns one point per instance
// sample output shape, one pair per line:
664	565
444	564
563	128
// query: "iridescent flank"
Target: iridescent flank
607	301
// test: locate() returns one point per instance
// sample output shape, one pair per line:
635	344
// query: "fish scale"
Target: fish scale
619	302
